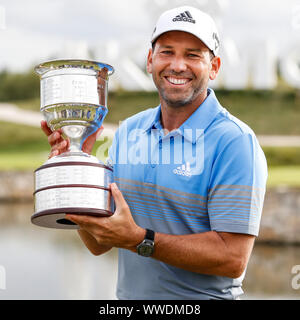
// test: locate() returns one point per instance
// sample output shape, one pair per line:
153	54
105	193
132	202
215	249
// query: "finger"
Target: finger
99	132
45	128
93	136
54	138
74	219
81	226
53	154
87	223
83	220
117	195
90	141
70	217
61	146
68	144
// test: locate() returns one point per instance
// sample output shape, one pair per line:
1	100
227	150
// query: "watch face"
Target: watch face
145	250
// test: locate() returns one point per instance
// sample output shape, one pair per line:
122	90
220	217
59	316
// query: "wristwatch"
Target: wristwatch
146	247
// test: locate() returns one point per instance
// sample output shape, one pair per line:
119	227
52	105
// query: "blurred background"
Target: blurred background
259	83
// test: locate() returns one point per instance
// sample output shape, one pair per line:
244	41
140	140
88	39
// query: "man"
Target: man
189	177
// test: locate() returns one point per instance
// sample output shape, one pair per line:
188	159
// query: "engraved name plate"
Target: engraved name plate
71	197
69	88
75	174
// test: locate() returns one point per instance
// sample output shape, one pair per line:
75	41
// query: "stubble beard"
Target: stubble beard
178	103
181	102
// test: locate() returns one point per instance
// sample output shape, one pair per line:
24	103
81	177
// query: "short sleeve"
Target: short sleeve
237	187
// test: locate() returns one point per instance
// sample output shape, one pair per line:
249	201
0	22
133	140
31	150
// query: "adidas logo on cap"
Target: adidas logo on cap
185	16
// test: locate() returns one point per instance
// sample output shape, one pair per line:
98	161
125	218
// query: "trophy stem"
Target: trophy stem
74	145
74	133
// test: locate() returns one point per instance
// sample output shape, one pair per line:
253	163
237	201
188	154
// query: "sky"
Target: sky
33	31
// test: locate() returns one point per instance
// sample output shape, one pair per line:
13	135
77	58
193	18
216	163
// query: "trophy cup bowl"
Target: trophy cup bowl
74	99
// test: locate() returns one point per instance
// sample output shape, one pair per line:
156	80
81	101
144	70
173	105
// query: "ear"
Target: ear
149	61
215	66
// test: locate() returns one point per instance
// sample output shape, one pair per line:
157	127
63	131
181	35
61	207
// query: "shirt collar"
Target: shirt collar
154	120
201	118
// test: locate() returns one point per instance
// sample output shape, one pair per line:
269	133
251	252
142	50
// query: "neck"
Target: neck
173	117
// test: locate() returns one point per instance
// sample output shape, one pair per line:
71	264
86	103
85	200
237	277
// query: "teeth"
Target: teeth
177	81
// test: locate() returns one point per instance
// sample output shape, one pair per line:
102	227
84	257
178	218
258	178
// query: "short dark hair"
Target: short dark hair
211	54
153	45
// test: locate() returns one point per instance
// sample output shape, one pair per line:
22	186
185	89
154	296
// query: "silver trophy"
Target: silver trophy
73	98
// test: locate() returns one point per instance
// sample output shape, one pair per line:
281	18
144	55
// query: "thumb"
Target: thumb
118	196
98	132
90	141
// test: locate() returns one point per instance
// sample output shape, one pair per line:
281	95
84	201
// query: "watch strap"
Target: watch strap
149	235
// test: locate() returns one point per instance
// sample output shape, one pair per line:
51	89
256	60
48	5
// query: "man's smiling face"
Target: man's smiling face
181	66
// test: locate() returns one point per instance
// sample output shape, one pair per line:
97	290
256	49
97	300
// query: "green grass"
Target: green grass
29	104
282	156
26	148
22	160
266	112
32	150
284	176
29	160
278	176
21	138
15	138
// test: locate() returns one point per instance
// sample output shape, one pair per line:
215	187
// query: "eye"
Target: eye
166	52
193	55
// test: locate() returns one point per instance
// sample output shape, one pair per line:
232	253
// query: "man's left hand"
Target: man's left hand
118	230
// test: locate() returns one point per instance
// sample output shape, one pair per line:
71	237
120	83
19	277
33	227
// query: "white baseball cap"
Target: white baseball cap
191	20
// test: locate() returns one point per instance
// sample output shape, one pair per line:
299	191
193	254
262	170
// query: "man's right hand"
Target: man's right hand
60	145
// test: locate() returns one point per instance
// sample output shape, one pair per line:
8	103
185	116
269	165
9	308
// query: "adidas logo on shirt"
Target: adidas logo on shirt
183	170
185	16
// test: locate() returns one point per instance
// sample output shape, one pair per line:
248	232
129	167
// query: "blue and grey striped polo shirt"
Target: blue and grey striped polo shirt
209	174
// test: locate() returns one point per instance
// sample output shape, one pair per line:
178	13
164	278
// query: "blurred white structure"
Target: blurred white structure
256	36
249	61
290	66
129	74
12	113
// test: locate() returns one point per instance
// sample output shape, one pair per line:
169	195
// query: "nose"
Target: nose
178	64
